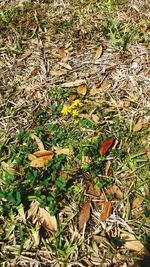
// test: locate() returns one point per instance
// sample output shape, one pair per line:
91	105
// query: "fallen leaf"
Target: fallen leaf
137	201
98	52
106	212
138	126
131	243
38	141
94	91
65	151
41	161
93	191
72	97
65	65
127	104
44	152
46	220
105	145
114	189
84	215
25	55
31	157
95	118
8	168
82	90
62	52
33	211
58	72
74	84
105	85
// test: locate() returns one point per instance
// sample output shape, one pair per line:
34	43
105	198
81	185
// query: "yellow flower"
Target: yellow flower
76	103
66	110
75	112
76	122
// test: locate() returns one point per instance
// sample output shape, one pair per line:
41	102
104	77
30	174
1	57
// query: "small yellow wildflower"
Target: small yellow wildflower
75	112
76	103
66	110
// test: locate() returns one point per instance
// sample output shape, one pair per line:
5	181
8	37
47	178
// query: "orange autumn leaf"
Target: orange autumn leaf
114	189
138	126
98	52
82	90
84	215
105	85
106	212
62	52
44	152
41	161
105	145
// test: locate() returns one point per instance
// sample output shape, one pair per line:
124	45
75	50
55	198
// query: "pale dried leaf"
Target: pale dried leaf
46	220
44	152
65	151
74	84
41	161
137	201
38	141
58	72
8	168
65	65
95	118
138	126
33	211
94	91
107	211
131	243
82	90
99	52
84	215
31	157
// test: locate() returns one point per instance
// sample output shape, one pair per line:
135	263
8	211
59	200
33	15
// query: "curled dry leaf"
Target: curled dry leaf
99	52
106	212
31	157
46	220
114	189
82	90
38	141
138	126
41	161
65	65
58	72
44	152
84	215
105	145
131	243
74	84
33	211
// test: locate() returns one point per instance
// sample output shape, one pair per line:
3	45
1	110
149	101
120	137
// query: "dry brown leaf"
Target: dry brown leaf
58	72
74	84
44	152
114	189
93	191
38	141
105	145
65	65
84	215
99	52
138	126
62	52
106	212
46	220
41	161
82	90
137	201
72	97
65	151
131	243
105	85
25	55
